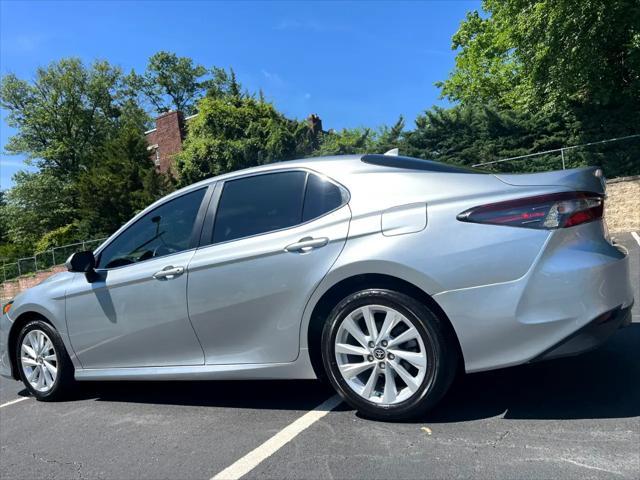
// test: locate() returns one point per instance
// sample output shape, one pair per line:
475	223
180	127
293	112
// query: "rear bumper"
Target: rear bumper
591	336
577	277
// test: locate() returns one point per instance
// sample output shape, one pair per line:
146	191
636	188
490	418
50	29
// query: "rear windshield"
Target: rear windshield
416	164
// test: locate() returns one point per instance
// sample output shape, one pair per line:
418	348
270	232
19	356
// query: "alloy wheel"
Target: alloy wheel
39	360
380	354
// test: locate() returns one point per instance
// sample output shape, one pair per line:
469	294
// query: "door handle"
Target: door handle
307	244
168	273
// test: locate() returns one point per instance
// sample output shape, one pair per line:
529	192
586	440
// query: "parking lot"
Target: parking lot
577	417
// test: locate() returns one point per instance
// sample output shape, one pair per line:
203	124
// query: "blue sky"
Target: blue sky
354	64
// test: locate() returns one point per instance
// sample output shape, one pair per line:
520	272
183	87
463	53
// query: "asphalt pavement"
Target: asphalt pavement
576	417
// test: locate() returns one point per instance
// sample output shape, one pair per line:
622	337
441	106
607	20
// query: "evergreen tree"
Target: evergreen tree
122	182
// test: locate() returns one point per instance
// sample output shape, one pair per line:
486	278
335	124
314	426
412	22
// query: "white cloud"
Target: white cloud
23	43
273	78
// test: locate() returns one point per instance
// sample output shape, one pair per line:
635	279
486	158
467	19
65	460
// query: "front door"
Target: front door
135	313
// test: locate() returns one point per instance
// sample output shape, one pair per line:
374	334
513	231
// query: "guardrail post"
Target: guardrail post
35	262
562	155
18	264
53	256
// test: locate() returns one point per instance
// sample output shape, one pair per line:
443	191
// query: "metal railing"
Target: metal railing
555	150
45	260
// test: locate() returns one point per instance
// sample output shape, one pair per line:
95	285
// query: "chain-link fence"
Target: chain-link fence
45	260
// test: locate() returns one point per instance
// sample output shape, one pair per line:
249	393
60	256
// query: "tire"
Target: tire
428	345
52	354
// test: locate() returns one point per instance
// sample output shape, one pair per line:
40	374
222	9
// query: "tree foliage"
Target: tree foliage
38	203
58	237
467	135
171	82
236	131
122	183
85	132
63	115
538	61
346	141
550	54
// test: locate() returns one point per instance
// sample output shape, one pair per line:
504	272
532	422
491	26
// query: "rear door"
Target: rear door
274	238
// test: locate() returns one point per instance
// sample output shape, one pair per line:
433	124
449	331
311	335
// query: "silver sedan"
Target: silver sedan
384	275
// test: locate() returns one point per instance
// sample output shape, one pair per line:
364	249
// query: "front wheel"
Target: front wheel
387	355
43	363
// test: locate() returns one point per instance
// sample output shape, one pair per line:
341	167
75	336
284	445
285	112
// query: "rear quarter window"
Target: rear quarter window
321	196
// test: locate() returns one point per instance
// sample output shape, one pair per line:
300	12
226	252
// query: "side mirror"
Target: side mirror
81	262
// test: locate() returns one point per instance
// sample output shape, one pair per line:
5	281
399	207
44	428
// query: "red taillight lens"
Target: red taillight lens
556	210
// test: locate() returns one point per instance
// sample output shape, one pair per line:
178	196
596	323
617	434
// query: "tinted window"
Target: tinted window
164	230
321	197
259	204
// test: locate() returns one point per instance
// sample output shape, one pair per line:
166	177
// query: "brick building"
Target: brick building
166	139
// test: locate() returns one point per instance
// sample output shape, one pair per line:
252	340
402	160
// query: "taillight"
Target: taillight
7	307
556	210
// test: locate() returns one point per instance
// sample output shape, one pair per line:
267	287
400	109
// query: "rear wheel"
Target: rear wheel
387	354
43	363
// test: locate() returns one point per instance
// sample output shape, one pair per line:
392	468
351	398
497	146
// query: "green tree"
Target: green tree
85	132
64	115
471	134
234	132
223	84
3	218
548	54
346	141
391	137
122	182
37	203
544	60
172	82
362	140
58	237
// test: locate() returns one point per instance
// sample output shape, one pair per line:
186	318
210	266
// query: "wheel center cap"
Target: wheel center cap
379	353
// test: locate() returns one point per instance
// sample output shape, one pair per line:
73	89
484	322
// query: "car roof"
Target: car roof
340	165
346	162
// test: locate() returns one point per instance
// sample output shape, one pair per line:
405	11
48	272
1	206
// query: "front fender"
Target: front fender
46	300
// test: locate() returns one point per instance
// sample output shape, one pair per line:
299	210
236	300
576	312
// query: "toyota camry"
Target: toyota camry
384	275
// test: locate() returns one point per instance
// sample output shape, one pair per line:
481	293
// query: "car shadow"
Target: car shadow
248	394
602	383
599	384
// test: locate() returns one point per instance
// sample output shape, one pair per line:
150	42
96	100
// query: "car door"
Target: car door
134	313
275	236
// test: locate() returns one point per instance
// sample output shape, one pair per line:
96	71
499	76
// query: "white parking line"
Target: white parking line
21	399
252	459
636	236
